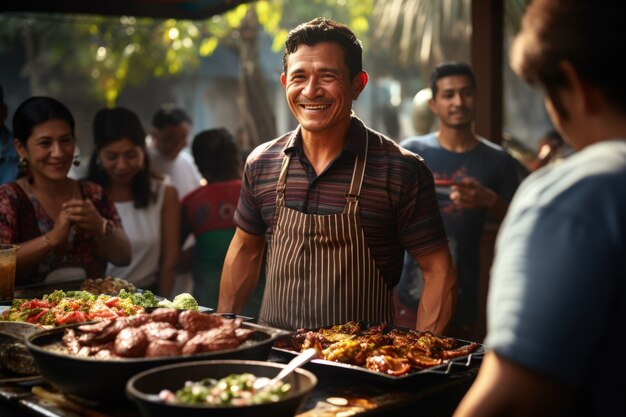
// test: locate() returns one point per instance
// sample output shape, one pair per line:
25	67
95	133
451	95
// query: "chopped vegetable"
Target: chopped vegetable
235	390
145	299
183	301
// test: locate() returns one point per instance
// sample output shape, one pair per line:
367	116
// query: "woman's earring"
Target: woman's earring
76	161
22	166
23	171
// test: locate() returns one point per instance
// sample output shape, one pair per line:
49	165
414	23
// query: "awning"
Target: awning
178	9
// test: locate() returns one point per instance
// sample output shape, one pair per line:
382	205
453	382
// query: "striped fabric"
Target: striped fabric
319	269
398	208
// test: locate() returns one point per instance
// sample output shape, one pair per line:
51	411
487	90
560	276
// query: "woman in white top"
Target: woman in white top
149	208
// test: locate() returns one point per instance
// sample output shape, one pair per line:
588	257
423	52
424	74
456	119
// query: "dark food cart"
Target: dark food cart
335	396
341	391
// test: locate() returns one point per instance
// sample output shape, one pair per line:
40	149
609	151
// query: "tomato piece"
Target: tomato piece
71	317
113	302
36	303
101	312
35	318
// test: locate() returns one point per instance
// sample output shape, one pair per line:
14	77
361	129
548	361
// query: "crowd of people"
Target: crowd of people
334	221
125	217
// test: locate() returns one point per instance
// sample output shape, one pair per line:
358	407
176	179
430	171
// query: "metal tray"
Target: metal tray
360	372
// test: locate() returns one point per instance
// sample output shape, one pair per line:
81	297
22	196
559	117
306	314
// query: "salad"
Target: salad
59	308
235	390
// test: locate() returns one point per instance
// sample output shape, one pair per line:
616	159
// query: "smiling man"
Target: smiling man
335	202
474	179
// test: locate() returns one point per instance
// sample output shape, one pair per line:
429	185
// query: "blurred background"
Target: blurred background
220	60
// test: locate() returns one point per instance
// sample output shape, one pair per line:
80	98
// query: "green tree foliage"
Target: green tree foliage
106	54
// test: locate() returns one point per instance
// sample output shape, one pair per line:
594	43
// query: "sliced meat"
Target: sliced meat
95	327
110	332
211	340
168	315
243	334
131	342
70	340
162	348
195	321
159	330
183	336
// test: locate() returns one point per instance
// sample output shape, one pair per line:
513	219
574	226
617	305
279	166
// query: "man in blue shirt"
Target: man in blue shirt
474	179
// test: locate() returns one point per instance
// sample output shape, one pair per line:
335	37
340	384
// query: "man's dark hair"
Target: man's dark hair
170	116
217	155
448	69
1	94
321	30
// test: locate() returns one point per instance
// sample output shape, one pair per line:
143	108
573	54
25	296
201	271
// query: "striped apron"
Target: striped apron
319	268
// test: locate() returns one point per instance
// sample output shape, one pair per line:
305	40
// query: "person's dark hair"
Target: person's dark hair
448	69
169	116
321	30
1	94
217	155
111	125
37	110
586	33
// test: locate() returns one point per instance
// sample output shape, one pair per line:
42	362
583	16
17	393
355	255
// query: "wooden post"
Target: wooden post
486	55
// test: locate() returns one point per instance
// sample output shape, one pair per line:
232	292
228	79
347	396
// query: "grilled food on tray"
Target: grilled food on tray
164	332
394	352
107	285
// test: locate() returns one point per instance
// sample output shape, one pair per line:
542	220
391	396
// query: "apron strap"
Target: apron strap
354	193
282	177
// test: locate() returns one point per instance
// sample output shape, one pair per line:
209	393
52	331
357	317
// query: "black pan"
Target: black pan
104	380
144	388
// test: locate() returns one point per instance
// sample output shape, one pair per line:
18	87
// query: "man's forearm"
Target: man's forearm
438	299
240	274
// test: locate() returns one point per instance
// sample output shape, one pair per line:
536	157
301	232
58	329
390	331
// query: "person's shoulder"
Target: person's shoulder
494	151
90	188
490	146
9	190
268	150
389	155
419	142
198	193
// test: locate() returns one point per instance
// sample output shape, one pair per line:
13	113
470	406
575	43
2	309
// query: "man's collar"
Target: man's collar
354	139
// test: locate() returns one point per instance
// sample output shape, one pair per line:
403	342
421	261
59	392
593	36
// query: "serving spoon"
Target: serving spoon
303	358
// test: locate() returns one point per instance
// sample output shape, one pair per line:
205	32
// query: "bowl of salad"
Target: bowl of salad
226	387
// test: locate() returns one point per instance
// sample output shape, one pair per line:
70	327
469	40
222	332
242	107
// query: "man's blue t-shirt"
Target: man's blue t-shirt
494	168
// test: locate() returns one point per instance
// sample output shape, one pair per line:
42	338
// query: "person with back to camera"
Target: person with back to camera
8	155
62	225
474	179
208	211
148	207
557	300
336	202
